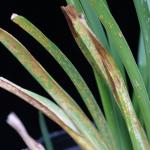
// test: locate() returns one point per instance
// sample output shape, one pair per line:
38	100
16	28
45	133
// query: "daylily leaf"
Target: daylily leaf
49	108
70	107
67	66
125	54
105	65
45	132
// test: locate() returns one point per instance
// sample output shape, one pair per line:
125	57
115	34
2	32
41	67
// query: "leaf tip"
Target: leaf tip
71	15
13	16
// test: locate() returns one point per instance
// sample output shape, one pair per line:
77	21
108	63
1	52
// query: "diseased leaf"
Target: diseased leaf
68	67
70	11
39	102
112	113
105	65
70	107
114	117
126	57
143	10
143	14
49	108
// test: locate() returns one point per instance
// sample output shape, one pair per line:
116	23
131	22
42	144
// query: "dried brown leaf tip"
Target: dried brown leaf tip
71	14
71	11
73	17
81	30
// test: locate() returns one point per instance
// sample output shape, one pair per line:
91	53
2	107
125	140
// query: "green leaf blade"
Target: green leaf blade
70	70
105	65
50	109
127	58
113	118
44	131
64	100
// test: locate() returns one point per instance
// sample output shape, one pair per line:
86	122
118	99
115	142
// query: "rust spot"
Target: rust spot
101	17
120	34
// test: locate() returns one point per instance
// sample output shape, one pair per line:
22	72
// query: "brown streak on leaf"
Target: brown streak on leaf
81	140
106	59
107	62
9	87
72	15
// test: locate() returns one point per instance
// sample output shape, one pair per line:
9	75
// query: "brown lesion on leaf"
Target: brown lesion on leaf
109	65
18	91
10	87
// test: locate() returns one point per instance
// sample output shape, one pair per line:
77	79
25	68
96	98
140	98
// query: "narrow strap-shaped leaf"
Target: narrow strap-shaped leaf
143	70
111	74
113	115
142	59
50	109
54	109
148	2
143	52
114	119
44	131
94	22
71	108
68	67
67	11
143	14
96	26
110	113
126	56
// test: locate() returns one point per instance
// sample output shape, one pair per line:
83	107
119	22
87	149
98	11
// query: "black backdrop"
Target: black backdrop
48	17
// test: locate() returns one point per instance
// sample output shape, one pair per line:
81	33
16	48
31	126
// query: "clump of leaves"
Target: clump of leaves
126	124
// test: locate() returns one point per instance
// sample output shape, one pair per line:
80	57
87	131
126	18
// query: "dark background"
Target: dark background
47	16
